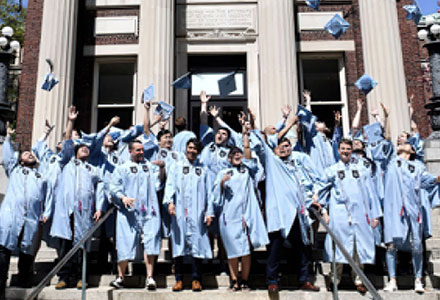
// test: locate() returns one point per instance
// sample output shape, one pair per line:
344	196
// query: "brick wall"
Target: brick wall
25	113
354	62
413	56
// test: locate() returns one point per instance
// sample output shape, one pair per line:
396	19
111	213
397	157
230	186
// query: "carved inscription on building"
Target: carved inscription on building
212	17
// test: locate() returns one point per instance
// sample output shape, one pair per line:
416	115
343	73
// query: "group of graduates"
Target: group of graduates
252	189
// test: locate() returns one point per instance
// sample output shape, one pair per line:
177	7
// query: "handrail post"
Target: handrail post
84	272
335	276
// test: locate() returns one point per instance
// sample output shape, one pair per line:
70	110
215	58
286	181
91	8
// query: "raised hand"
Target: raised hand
114	121
252	118
337	117
385	110
286	110
9	130
73	114
242	118
203	97
307	96
214	111
360	103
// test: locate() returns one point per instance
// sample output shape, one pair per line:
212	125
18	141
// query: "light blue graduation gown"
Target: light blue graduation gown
141	223
27	196
187	187
352	203
240	217
77	194
284	196
181	139
419	146
405	205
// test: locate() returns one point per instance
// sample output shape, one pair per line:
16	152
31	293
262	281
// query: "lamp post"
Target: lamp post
7	50
429	32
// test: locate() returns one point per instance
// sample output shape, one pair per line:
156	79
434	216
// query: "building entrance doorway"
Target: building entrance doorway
206	70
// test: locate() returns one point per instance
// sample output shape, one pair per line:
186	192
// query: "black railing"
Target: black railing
36	291
370	287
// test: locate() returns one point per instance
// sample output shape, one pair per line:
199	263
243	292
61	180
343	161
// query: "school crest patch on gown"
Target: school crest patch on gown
411	168
133	170
198	171
341	175
145	168
115	160
222	153
355	174
185	170
25	172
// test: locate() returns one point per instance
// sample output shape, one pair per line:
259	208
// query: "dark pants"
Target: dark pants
25	262
274	252
73	268
196	268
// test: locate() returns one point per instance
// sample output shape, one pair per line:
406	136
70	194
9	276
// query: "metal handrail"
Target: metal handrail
370	287
36	291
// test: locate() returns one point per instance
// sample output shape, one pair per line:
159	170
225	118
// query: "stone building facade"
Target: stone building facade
105	52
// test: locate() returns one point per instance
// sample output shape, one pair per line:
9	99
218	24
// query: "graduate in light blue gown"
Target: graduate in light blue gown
79	202
182	136
290	186
241	222
407	188
133	189
354	208
186	198
27	196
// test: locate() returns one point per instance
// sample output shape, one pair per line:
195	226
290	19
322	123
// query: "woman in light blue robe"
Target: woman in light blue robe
409	192
240	219
26	202
140	223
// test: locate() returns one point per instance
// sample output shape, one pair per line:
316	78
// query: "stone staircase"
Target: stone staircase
216	286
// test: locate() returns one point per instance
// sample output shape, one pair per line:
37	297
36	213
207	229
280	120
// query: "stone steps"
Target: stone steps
104	293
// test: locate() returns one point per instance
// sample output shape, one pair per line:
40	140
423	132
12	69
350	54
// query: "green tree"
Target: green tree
13	14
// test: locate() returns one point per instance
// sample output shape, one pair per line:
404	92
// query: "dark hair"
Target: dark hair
225	129
233	151
362	142
196	143
180	123
130	145
284	139
78	146
345	141
162	133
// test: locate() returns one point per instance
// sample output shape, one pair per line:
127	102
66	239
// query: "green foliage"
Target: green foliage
13	15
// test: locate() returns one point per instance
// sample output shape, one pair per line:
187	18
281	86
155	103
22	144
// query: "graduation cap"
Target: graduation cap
49	80
366	83
337	26
164	109
115	132
149	93
313	4
227	85
306	117
414	12
374	132
183	82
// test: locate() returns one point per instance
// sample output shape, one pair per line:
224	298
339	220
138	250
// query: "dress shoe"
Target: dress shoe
361	289
178	286
273	288
79	284
309	287
61	285
196	286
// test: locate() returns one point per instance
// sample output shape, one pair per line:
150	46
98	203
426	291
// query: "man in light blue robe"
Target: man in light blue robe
27	196
186	197
405	208
241	222
354	208
133	189
78	204
290	186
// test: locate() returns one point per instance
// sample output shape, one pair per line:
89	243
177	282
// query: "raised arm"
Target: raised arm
245	136
147	106
288	126
204	99
356	124
9	155
72	115
386	125
414	127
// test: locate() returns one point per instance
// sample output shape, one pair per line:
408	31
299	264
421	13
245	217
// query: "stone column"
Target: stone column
382	50
58	43
156	51
277	48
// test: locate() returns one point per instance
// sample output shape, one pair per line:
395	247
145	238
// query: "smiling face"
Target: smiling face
221	137
28	159
83	153
136	152
402	138
166	141
284	149
191	152
345	150
235	157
